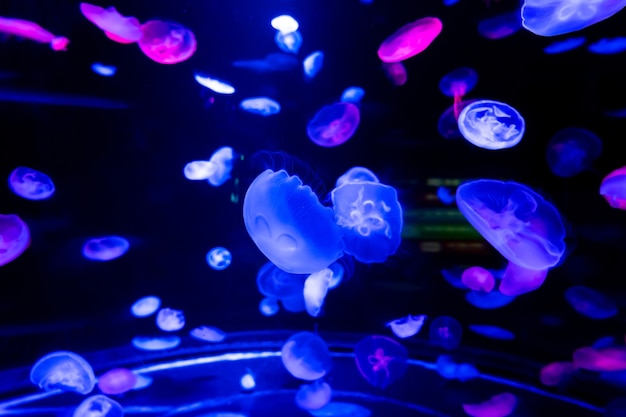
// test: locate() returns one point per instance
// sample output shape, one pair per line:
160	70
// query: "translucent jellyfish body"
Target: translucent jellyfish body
333	125
519	223
219	258
608	46
313	396
478	279
458	83
500	405
446	332
380	360
491	124
31	184
117	381
590	303
289	41
215	85
208	334
569	44
104	70
406	326
315	290
285	23
166	42
447	368
170	320
492	332
410	40
105	248
14	237
275	283
352	95
145	306
602	359
216	170
156	343
500	26
31	30
262	106
115	26
518	280
313	63
306	356
572	151
287	222
63	370
555	372
396	73
613	188
99	406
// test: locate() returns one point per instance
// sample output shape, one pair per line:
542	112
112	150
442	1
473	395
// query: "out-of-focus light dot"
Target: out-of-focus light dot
352	95
170	320
269	306
104	70
219	258
145	306
285	24
156	343
215	85
247	381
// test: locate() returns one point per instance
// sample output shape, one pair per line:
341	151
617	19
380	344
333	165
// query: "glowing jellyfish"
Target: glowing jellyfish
313	396
396	73
488	301
380	360
269	306
262	106
352	95
606	359
356	174
313	63
98	406
608	46
491	124
31	184
14	237
219	258
170	320
31	30
564	45
215	85
63	370
115	26
555	372
208	334
478	279
285	23
276	283
306	356
145	306
445	195
500	26
613	188
590	303
105	248
247	381
166	42
456	84
341	269
117	381
406	326
519	223
446	332
518	280
289	42
155	343
492	332
410	40
500	405
216	170
104	70
334	124
336	409
143	381
447	368
287	222
315	290
572	150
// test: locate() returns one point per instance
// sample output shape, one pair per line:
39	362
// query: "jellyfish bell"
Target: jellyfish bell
333	125
352	95
500	405
356	174
285	23
214	84
263	106
500	26
31	30
491	124
446	332
410	40
105	248
98	406
313	396
315	289
31	184
572	150
396	73
305	355
569	44
407	326
518	280
117	381
458	82
613	190
380	360
313	63
223	159
219	258
63	370
14	237
200	170
289	41
608	46
166	42
590	303
115	26
478	279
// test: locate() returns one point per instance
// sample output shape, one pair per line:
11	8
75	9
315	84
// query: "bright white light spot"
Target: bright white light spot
285	24
247	381
215	85
104	70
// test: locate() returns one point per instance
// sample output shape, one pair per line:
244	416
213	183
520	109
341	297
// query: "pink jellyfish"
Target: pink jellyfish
497	406
116	27
33	31
14	237
167	42
396	72
334	124
613	190
478	279
607	359
519	280
117	381
555	372
410	40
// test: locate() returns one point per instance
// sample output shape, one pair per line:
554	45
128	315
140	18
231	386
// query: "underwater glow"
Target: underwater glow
117	381
247	381
315	290
105	248
608	46
63	370
32	31
613	188
458	83
275	283
572	151
104	70
334	124
98	406
590	303
555	372
215	85
272	62
269	306
262	106
31	184
410	40
306	356
478	279
605	359
156	343
219	258
285	23
313	396
208	334
518	280
488	300
558	47
446	332
145	306
289	42
352	95
492	332
396	73
313	63
500	405
216	170
447	368
356	174
500	26
406	326
336	408
166	42
115	26
491	124
170	320
380	360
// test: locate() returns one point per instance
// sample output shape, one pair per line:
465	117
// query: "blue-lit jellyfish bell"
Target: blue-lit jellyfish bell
105	248
313	396
352	95
305	355
285	23
406	326
608	46
289	42
30	184
313	63
315	290
572	151
214	84
103	70
500	26
263	106
65	371
170	320
208	334
458	83
491	124
217	170
148	343
446	332
98	406
219	258
565	45
145	306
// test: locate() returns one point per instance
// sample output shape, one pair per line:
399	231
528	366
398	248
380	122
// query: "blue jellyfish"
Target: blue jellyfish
207	334
380	360
105	248
447	368
104	70
313	63
356	174
289	42
214	84
31	184
170	320
117	381
446	332
306	356
352	95
608	46
263	106
500	26
313	396
63	370
99	406
491	124
488	300
285	23
565	45
590	303
334	124
492	332
156	343
145	306
269	306
219	258
572	150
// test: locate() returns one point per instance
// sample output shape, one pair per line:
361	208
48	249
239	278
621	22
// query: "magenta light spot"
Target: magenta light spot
313	396
607	359
105	248
500	26
590	303
446	332
500	405
115	26
458	83
167	42
555	372
98	406
518	280
65	371
334	124
380	360
396	73
31	184
410	40
31	30
613	188
478	279
572	150
14	237
306	356
117	381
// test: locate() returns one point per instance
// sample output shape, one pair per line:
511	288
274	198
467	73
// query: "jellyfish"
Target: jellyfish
446	332
262	106
215	85
488	301
289	41
170	320
396	73
143	381
115	26
448	125
341	269
606	359
31	184
269	306
313	396
315	290
271	62
287	222
335	408
458	83
447	368
98	406
155	343
276	283
334	124
247	381
65	371
14	237
219	258
104	70
491	124
285	23
32	31
478	279
572	150
500	26
380	360
166	42
117	381
208	334
569	44
492	332
608	46
500	405
145	306
518	280
105	248
313	63
306	356
613	190
410	40
555	372
352	95
356	174
407	326
519	223
590	303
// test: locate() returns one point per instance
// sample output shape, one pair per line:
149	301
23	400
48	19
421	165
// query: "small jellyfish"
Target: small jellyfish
14	237
166	42
219	258
313	396
492	332
269	306
500	26
105	248
306	356
478	279
143	381
445	332
285	23
262	106
341	409
572	151
590	303
170	320
491	124
569	44
216	170
488	300
500	405
352	95
208	334
356	174
215	85
289	42
117	381
145	306
447	368
410	40
445	195
63	370
98	406
518	280
156	343
458	83
555	372
313	63
115	26
247	381
31	30
613	188
315	290
606	359
608	46
275	283
104	70
31	184
334	124
396	73
380	360
407	326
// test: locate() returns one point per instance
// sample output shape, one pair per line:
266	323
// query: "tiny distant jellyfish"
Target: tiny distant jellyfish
269	306
31	30
104	70
448	369
315	290
247	381
356	174
492	332
219	258
222	165
380	360
500	26
63	370
572	150
166	42
607	359
519	223
105	248
285	23
313	63
352	95
336	408
14	237
396	73
31	184
458	83
518	280
500	405
565	45
445	196
448	125
215	85
608	46
170	320
488	300
289	42
478	279
116	27
491	125
313	396
446	332
306	356
208	334
410	40
262	106
590	303
564	16
98	406
554	373
145	306
333	125
156	343
117	381
613	188
406	326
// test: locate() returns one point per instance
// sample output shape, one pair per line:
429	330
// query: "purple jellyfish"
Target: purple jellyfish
590	303
306	356
478	279
117	381
31	184
497	406
572	150
446	332
500	26
334	124
166	42
105	248
456	84
613	189
380	360
14	237
555	372
410	40
396	73
116	27
518	280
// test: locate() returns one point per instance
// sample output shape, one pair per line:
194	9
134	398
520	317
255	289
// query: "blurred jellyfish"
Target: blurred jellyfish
559	17
156	343
275	283
117	381
341	409
334	124
367	2
31	184
447	368
65	371
488	301
219	258
396	73
446	332
215	85
263	106
247	381
569	44
500	405
31	30
166	42
208	334
478	279
608	46
356	174
613	188
458	83
341	269
14	237
145	306
453	277
410	40
105	248
406	326
98	406
285	23
606	359
143	381
306	356
590	303
104	70
313	396
289	41
216	170
269	306
352	95
313	63
170	320
115	26
518	280
519	223
572	150
272	62
380	360
554	373
491	124
500	26
315	289
450	2
492	332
